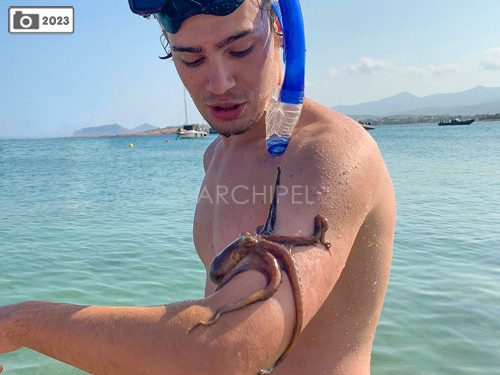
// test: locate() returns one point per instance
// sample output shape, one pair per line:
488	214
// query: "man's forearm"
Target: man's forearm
157	340
106	340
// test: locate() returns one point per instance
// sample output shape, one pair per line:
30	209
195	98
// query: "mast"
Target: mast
185	107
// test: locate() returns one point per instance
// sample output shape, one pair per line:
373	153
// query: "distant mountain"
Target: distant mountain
480	99
101	130
143	128
112	129
492	107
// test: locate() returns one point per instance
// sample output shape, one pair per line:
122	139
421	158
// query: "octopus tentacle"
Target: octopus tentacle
320	228
260	261
285	259
268	227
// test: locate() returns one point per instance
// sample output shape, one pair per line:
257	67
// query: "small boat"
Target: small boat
456	121
188	131
367	125
191	131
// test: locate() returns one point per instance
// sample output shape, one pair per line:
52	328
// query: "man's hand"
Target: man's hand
6	344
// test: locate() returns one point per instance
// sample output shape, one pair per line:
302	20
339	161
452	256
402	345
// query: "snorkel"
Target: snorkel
285	104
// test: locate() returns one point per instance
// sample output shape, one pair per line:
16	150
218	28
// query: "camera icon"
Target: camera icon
26	21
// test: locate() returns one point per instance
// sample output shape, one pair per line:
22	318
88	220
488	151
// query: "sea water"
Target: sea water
94	221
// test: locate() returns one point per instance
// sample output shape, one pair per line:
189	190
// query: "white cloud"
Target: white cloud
368	65
332	71
443	69
438	70
491	59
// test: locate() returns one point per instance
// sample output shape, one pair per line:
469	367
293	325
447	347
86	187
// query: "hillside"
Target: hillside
101	130
112	129
476	100
144	128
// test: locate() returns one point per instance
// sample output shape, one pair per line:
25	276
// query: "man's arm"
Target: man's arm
154	340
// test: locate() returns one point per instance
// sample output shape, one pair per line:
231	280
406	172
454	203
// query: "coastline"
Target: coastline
422	119
173	130
158	131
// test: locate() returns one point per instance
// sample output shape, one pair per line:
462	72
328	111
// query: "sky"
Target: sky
108	70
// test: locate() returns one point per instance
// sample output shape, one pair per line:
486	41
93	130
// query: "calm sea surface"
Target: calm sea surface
92	221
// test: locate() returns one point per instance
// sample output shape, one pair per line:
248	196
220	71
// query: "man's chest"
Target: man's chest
229	203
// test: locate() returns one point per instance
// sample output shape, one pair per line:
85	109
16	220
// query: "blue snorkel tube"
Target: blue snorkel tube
285	105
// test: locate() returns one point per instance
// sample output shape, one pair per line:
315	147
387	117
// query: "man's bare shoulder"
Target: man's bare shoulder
326	130
340	165
209	152
332	144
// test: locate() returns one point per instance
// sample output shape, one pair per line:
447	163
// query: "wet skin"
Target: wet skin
268	253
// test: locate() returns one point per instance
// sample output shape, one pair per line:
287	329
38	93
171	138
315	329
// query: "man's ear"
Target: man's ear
277	26
278	33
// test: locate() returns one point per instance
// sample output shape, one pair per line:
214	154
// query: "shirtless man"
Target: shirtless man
230	64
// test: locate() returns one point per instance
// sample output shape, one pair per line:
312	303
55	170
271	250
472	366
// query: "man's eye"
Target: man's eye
242	53
193	63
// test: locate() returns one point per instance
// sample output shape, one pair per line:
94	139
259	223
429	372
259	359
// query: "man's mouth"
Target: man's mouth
226	111
225	107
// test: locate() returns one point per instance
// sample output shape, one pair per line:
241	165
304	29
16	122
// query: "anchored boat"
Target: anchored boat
367	125
188	131
191	131
456	121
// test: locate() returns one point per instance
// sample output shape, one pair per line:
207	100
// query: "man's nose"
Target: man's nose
220	79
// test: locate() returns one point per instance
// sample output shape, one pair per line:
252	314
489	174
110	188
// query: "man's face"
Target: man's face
229	65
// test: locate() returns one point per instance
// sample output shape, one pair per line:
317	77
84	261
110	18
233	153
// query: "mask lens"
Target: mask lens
146	6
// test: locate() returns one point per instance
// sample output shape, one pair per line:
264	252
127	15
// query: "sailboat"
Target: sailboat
188	131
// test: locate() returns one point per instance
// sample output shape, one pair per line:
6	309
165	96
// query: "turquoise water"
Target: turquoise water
92	221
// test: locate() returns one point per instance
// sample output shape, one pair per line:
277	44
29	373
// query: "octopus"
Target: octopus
268	253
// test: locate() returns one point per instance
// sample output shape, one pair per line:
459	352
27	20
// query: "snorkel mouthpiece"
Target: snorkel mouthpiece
285	105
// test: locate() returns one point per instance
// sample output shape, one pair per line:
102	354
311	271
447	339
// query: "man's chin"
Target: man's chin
228	133
227	130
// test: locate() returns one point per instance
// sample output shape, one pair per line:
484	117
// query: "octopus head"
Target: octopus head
249	239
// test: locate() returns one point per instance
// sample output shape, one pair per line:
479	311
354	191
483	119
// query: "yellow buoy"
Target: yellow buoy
130	145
